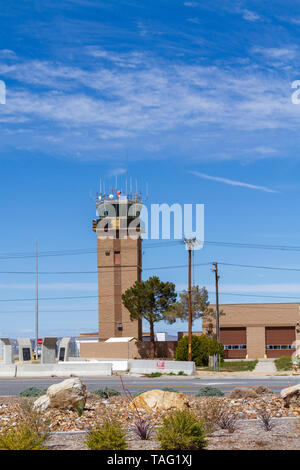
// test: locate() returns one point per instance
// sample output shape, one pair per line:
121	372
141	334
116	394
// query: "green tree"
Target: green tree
200	305
151	300
202	347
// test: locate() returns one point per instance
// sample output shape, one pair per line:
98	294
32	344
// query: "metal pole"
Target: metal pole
36	301
190	303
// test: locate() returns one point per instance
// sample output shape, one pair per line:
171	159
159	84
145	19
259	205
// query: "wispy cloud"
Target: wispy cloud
233	182
125	96
250	15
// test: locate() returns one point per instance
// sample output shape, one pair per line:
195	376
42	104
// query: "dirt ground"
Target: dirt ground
249	435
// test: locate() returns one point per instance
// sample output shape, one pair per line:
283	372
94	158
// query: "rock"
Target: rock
67	395
42	404
154	400
291	395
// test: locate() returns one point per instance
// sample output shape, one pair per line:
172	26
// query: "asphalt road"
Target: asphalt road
11	387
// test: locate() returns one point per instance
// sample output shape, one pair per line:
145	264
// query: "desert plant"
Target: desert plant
243	393
210	411
180	430
108	436
266	419
209	391
28	434
21	437
32	392
106	392
227	421
169	389
142	428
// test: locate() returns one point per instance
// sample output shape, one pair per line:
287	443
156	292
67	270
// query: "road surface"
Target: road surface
11	387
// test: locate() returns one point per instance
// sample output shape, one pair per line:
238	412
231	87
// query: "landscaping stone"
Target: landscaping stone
160	400
291	395
69	395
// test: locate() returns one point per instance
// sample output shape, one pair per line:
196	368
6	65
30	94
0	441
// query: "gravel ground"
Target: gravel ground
249	435
68	430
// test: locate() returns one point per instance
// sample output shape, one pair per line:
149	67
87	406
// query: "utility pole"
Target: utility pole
215	270
189	243
36	300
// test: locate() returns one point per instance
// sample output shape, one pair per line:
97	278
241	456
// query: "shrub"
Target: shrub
210	412
108	436
32	392
202	347
283	363
209	391
169	389
21	437
106	392
243	393
29	433
154	374
181	373
180	430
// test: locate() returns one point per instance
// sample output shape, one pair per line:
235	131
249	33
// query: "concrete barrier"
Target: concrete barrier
64	369
7	370
140	366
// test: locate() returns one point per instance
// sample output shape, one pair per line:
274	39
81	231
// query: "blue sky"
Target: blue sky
195	95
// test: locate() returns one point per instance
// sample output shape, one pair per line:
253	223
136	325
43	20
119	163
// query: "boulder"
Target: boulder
69	394
154	400
291	395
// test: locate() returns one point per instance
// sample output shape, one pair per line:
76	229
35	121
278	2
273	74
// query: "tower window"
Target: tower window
117	257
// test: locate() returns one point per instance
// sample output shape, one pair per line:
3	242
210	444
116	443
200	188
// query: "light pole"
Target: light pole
189	243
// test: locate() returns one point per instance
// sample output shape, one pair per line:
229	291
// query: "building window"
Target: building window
281	346
234	346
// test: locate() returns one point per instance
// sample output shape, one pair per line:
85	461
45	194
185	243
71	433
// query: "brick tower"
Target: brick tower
119	261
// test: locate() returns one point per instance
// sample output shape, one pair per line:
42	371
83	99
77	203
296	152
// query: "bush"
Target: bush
202	347
283	363
32	392
181	373
243	393
169	389
29	433
228	421
209	392
181	431
106	392
21	437
108	436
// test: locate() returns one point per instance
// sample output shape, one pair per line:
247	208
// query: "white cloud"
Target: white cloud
276	52
233	182
132	95
250	15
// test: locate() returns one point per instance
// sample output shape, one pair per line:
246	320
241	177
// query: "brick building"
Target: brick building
259	330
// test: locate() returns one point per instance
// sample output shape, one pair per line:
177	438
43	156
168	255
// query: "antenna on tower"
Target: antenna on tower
100	186
116	182
147	191
127	176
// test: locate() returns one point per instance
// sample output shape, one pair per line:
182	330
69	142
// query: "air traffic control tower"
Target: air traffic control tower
119	261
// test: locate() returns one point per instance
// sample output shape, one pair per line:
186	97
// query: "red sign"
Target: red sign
160	364
40	341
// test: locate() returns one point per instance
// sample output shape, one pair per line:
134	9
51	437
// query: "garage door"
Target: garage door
279	341
234	341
